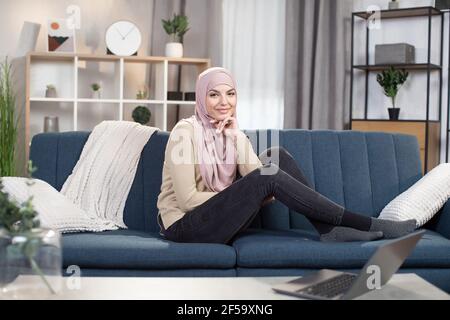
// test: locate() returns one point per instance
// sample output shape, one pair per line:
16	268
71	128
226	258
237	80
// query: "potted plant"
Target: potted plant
50	92
9	121
175	28
391	80
142	93
27	250
96	91
141	115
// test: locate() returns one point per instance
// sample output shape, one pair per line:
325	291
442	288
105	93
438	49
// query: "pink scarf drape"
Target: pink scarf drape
217	155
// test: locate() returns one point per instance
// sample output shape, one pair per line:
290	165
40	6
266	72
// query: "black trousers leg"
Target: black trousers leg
287	163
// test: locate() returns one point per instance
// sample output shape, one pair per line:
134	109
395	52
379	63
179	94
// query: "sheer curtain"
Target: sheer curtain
254	51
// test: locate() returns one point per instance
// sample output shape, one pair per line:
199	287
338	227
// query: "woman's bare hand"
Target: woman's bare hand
229	125
268	200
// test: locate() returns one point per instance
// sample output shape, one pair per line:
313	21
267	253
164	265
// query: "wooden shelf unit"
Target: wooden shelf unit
424	129
72	62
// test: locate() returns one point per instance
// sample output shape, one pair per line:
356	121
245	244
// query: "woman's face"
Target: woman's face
221	102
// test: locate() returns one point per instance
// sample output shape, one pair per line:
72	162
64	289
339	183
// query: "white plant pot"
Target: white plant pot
174	50
50	93
393	5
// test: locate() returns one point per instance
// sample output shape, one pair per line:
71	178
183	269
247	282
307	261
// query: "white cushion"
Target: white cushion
55	211
423	199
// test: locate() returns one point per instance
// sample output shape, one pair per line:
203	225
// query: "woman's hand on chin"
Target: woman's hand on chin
228	125
268	200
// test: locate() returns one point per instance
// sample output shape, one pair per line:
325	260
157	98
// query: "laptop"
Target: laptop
335	285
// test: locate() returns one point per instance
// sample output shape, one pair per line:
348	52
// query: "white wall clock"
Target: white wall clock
123	38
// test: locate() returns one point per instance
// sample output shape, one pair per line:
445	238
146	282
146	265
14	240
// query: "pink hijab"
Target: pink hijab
217	155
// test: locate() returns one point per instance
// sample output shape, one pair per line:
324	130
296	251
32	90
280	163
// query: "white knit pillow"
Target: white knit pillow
423	199
55	210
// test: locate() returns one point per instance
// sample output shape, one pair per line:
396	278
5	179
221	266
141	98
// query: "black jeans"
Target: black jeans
223	216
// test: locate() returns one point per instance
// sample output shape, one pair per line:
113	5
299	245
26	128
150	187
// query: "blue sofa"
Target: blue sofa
361	171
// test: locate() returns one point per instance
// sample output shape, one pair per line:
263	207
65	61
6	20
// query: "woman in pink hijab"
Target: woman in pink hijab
203	201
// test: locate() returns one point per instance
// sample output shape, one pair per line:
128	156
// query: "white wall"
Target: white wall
412	96
96	16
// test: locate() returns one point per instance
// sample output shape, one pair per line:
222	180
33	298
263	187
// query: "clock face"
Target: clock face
123	38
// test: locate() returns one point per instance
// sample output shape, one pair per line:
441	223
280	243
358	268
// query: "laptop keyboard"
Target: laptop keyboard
332	287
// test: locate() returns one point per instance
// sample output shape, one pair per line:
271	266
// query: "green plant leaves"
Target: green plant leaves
391	80
141	115
21	221
17	218
9	211
95	86
168	27
8	121
177	27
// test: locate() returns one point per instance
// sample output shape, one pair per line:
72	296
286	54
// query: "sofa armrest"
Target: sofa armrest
442	224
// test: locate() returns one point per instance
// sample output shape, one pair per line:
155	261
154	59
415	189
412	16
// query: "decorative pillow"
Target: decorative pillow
55	211
423	199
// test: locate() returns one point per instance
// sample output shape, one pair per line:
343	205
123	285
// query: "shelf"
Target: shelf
414	66
160	102
132	59
52	56
185	61
111	101
99	100
52	100
137	101
102	58
402	13
182	102
400	120
77	109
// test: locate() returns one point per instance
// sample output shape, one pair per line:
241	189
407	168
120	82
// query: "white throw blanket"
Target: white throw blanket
102	177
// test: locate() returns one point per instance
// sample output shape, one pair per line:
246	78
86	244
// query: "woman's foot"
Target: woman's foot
344	234
393	229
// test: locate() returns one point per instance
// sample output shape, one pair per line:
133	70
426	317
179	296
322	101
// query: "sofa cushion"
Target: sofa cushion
301	249
129	249
423	199
55	211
